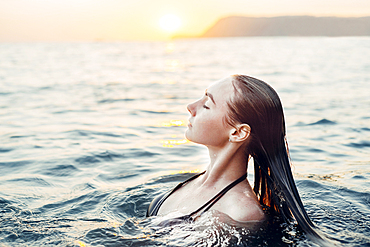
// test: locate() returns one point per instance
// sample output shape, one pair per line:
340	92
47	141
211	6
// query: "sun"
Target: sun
170	22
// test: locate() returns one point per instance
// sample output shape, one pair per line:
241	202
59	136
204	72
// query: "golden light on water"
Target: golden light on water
81	244
170	47
172	65
185	171
170	22
174	123
172	143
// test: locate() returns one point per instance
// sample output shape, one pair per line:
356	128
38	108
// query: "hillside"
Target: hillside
235	26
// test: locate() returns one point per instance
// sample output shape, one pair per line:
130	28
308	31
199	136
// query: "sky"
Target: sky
134	20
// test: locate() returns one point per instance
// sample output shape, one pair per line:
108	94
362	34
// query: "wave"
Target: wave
361	144
116	100
323	121
61	170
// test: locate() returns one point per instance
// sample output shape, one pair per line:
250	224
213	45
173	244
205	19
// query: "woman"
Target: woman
238	118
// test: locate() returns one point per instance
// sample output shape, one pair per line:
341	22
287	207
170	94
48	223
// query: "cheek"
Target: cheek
210	131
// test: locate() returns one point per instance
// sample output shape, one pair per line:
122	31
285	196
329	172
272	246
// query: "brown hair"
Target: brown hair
258	105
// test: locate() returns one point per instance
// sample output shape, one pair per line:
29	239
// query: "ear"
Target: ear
240	133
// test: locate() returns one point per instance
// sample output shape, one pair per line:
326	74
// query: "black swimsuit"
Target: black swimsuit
158	201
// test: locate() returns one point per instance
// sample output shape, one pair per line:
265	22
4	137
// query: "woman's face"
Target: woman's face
206	123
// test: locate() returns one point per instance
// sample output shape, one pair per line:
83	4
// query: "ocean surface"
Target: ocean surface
92	132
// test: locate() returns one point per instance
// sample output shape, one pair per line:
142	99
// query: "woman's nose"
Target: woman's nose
192	109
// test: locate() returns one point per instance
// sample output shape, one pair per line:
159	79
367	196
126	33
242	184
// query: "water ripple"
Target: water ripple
323	122
61	170
89	137
362	144
5	150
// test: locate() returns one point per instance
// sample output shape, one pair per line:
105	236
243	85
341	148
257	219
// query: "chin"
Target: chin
186	135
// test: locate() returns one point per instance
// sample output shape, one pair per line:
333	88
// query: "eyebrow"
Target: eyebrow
210	96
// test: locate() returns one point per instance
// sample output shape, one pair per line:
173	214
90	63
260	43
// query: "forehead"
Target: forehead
222	90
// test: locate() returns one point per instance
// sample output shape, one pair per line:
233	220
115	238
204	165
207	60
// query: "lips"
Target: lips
189	124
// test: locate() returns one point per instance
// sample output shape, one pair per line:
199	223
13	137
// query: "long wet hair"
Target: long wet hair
257	104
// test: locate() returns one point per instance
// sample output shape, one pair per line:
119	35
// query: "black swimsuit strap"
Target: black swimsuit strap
206	206
186	181
217	197
154	211
189	217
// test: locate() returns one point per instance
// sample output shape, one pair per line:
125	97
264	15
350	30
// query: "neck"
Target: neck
226	164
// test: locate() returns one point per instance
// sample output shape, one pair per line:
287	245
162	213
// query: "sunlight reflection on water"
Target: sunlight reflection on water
92	132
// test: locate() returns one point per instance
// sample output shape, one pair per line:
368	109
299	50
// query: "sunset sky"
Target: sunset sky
115	20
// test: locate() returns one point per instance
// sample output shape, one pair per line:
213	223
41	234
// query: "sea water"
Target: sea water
92	132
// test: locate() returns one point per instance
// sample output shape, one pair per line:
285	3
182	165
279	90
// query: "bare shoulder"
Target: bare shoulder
242	206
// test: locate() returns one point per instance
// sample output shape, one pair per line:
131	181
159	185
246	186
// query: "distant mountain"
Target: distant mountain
236	26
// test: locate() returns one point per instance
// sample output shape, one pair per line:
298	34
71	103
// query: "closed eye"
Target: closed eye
206	107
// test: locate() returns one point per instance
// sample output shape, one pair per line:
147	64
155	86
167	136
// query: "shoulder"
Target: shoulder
242	207
250	211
